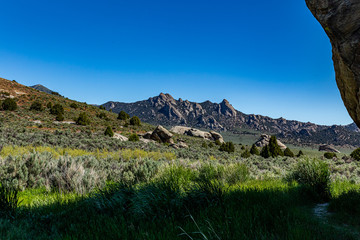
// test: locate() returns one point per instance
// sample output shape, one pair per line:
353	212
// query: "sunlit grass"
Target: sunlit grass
124	154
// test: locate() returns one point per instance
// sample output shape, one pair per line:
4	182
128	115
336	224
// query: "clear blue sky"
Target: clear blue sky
265	57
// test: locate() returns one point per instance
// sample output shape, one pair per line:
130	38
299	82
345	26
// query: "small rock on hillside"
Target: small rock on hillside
120	137
265	139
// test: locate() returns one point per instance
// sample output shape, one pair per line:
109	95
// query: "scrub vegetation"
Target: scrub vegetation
72	179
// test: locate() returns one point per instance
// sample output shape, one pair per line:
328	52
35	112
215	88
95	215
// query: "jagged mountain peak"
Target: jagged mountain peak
227	109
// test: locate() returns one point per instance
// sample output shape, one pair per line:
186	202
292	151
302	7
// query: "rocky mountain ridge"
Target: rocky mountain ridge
166	110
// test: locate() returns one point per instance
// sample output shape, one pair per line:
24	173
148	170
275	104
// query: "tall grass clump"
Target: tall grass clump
314	176
230	174
9	201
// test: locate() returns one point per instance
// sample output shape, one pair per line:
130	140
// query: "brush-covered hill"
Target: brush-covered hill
166	110
40	126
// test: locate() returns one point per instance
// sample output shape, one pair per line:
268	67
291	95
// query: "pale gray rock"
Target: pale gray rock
120	137
212	135
217	136
328	148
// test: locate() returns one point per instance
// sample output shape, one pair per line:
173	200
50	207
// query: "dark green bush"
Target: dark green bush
56	94
204	145
134	137
74	105
135	121
60	117
83	119
227	147
254	150
314	175
56	109
329	155
265	152
211	145
356	154
36	106
49	105
123	115
288	153
109	132
103	116
246	154
300	153
9	104
102	107
217	142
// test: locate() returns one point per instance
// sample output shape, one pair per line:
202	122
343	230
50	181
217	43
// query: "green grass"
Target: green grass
160	210
182	203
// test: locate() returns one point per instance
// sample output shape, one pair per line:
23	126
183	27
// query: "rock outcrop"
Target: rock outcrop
265	139
341	22
212	135
160	134
120	137
328	148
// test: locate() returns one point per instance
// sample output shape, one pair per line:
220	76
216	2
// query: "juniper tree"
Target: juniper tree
123	115
36	106
9	104
109	132
265	152
274	148
134	137
60	117
83	119
300	154
227	147
288	153
56	109
246	154
135	121
254	150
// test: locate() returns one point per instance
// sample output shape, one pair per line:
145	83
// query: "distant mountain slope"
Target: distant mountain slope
42	88
165	110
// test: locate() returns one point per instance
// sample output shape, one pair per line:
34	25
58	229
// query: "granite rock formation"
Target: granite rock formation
341	22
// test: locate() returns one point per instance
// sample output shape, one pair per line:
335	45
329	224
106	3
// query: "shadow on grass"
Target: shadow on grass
346	208
163	210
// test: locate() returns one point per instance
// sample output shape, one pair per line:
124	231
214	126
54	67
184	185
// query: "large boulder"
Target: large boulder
264	141
341	22
160	134
212	135
217	136
328	148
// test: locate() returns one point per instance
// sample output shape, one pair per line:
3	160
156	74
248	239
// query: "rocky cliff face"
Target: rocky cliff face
341	22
